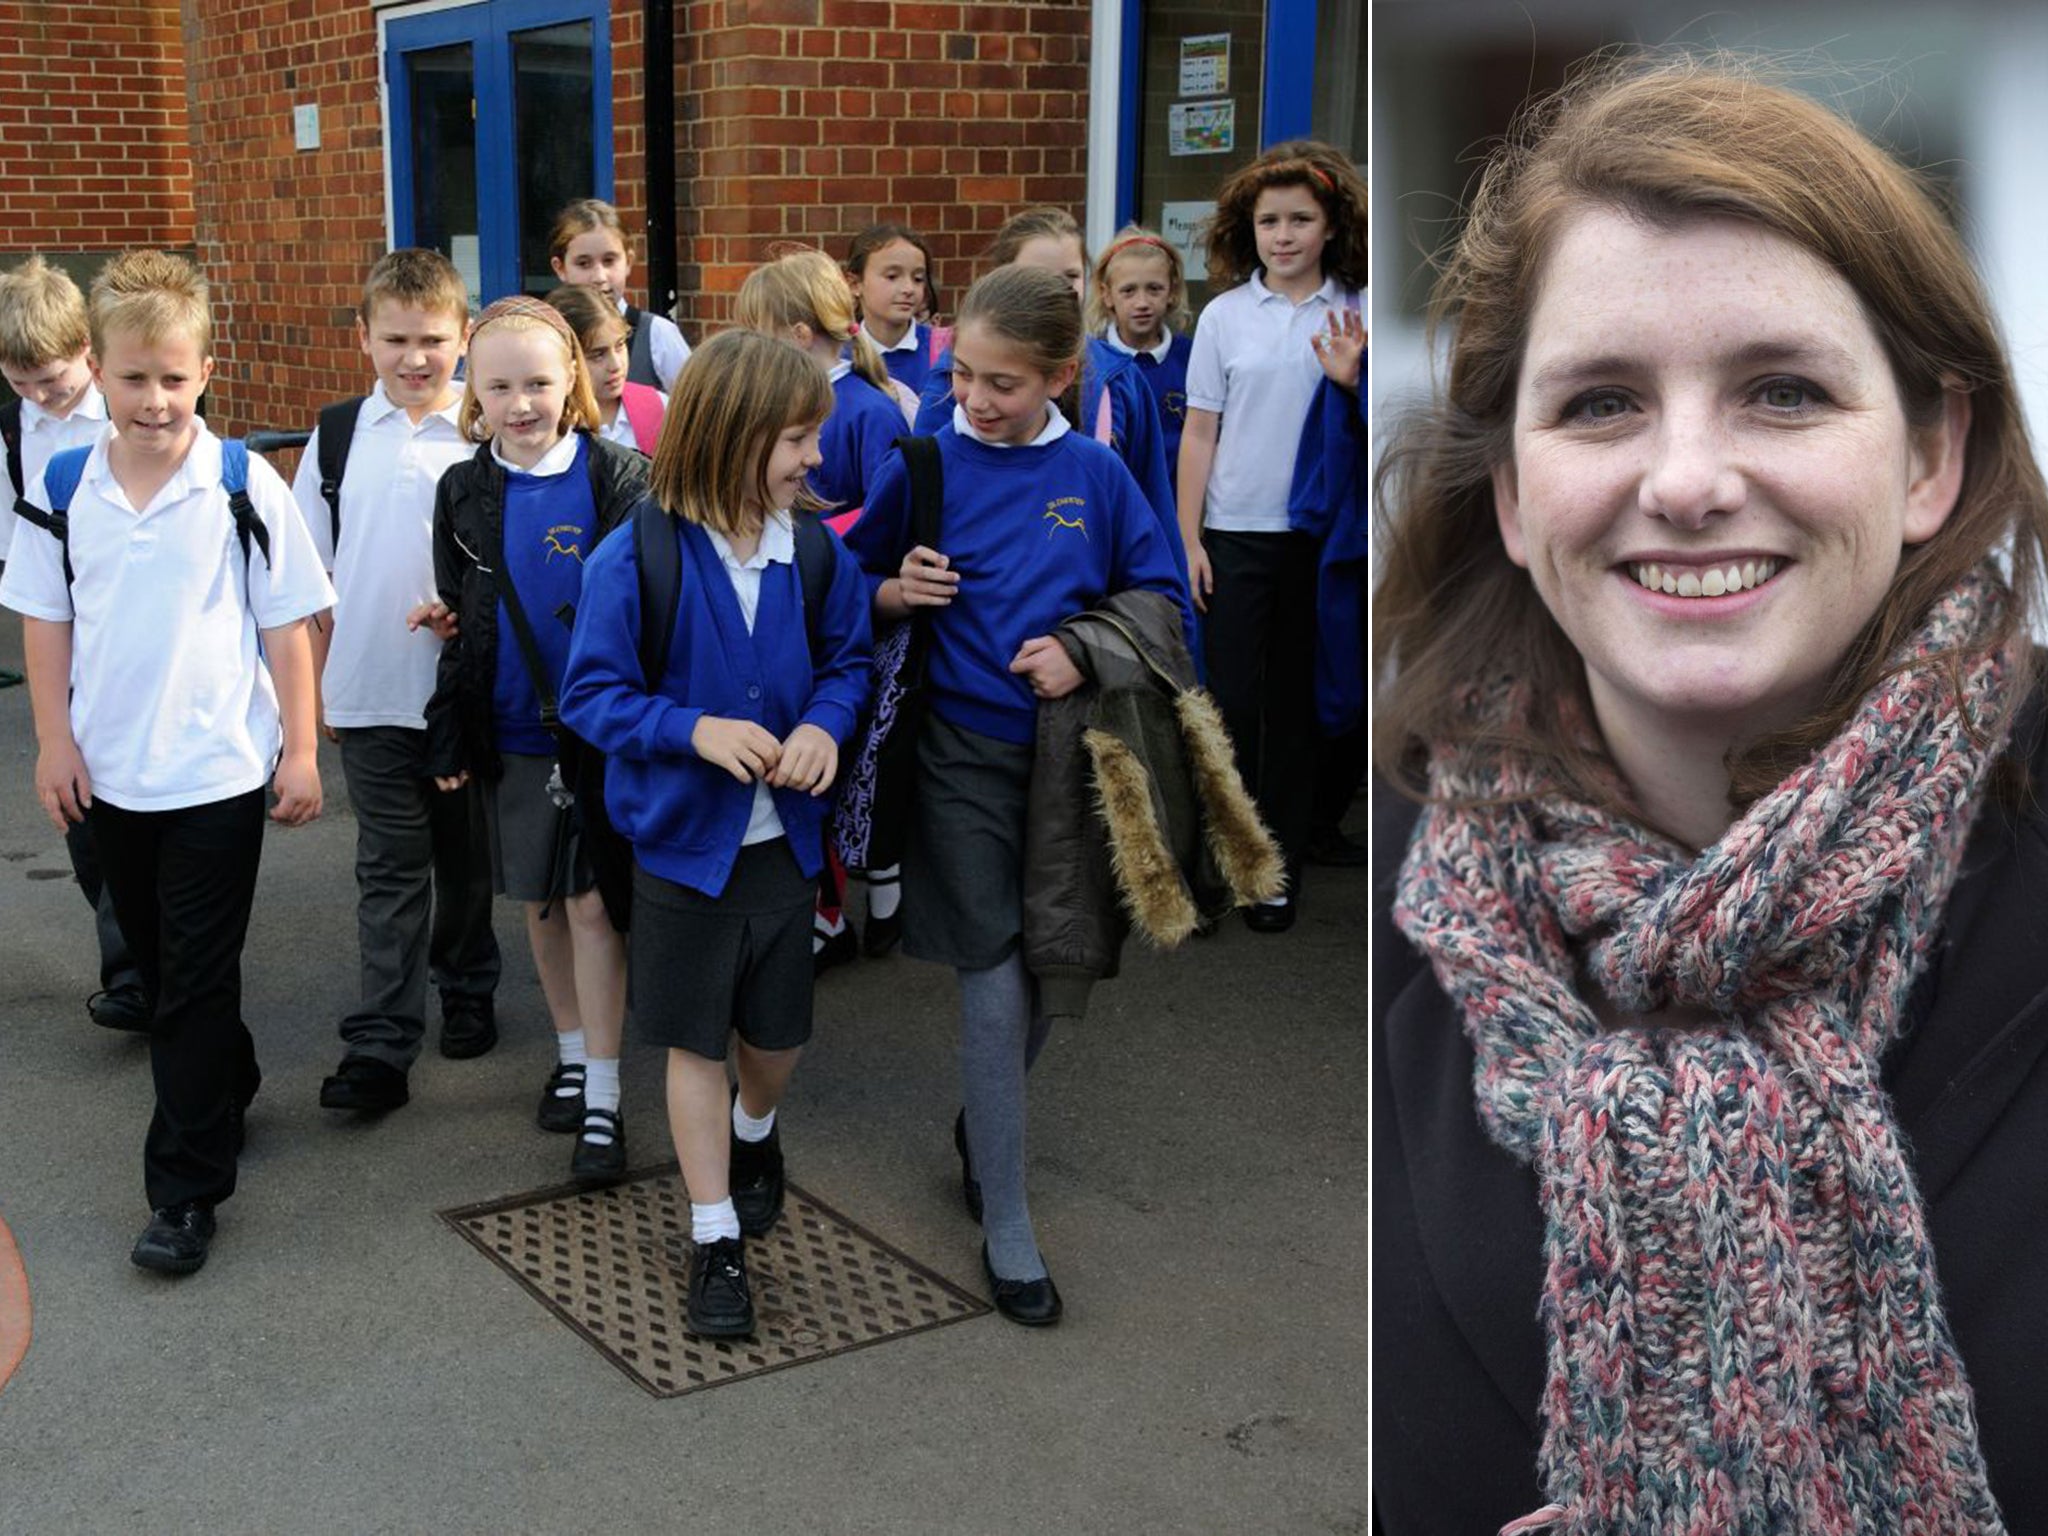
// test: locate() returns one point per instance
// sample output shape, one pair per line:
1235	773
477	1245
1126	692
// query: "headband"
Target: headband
1131	240
532	309
1320	175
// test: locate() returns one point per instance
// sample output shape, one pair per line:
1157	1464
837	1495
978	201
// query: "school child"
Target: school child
365	487
632	412
1138	304
896	280
1115	406
721	658
1038	522
156	716
803	296
43	357
1288	247
588	245
512	528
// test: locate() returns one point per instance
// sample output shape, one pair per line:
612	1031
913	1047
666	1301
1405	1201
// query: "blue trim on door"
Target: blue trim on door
488	26
1130	100
1290	84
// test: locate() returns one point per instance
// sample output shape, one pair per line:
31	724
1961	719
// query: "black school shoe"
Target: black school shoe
1034	1303
176	1239
756	1181
125	1008
598	1161
561	1101
841	948
721	1304
1261	918
363	1083
469	1025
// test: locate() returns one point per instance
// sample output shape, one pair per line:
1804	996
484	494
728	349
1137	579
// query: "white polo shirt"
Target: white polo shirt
778	544
666	348
378	671
43	435
1254	363
172	707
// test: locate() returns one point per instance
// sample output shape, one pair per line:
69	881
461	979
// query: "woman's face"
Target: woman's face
1712	478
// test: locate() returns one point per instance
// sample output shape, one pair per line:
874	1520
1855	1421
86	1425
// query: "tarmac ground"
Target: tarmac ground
347	1363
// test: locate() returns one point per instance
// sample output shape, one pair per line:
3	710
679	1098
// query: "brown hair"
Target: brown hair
1664	140
519	313
1034	311
879	236
593	317
152	294
736	395
425	279
1020	229
802	286
1133	240
580	218
1329	177
42	316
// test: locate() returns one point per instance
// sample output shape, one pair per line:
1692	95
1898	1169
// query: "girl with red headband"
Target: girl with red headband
1138	306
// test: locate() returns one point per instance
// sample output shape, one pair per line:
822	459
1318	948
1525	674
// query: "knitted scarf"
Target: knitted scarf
1745	1333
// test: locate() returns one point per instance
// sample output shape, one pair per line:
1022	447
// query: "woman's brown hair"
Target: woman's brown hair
1665	140
736	395
1330	179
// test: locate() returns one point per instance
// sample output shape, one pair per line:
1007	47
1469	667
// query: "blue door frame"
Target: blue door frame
1286	96
488	26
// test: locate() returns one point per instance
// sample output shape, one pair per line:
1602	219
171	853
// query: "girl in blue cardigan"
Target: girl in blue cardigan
721	755
1038	522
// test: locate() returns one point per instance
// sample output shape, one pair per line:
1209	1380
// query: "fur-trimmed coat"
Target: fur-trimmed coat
1136	811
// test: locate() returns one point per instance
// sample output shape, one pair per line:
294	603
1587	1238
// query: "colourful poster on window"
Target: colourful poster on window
1201	127
1205	65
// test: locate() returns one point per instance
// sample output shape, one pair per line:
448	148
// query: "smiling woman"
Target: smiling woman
1712	711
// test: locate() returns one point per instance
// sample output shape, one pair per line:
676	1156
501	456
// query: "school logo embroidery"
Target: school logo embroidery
1054	521
1175	404
554	543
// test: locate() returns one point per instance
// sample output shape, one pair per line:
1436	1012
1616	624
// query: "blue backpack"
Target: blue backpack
60	484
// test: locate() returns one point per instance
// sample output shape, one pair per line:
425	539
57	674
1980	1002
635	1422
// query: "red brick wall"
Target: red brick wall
807	119
92	115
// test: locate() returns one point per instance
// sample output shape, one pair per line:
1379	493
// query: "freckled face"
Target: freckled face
1713	479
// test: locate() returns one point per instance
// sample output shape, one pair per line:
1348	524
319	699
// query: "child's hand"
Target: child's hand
1201	576
810	759
924	580
437	616
1341	348
1045	664
453	782
62	784
743	749
297	785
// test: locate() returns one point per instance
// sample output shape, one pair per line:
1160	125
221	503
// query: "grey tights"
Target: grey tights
1001	1033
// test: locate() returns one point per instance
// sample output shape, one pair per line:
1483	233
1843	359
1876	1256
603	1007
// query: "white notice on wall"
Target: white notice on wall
1180	226
1205	65
1201	128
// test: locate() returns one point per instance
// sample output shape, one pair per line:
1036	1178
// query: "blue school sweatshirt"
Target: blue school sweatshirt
550	524
1168	381
1037	534
1134	429
855	440
684	816
911	368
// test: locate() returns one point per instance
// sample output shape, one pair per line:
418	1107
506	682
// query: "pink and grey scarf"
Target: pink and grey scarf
1745	1332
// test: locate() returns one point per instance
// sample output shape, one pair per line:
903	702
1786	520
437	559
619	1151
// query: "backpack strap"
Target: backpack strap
640	350
643	408
660	560
234	479
337	433
927	487
815	558
522	627
10	433
60	483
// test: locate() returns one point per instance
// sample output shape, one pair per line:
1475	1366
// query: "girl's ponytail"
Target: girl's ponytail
808	288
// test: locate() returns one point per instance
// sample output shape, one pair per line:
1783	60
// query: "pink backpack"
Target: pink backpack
643	408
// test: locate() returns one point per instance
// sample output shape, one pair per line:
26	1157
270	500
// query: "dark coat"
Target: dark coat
469	517
1458	1362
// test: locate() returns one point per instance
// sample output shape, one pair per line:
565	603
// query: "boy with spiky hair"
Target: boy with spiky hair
167	559
365	487
43	344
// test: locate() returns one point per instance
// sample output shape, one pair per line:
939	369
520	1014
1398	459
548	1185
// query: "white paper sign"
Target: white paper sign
1201	128
1180	226
1205	65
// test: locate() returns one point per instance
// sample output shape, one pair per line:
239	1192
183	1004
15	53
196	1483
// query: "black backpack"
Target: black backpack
660	559
337	433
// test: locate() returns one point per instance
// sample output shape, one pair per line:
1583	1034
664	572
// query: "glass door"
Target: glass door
500	114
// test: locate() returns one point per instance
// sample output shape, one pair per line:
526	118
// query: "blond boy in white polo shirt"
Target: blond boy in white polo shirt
152	605
43	345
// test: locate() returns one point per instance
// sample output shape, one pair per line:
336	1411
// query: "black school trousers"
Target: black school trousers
1259	639
183	883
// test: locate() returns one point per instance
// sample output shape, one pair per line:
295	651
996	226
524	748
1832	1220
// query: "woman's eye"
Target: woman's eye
1787	394
1597	405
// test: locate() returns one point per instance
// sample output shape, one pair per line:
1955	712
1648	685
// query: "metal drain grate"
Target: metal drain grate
614	1264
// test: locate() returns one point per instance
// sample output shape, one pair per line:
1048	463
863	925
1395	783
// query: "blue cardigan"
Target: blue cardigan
1329	504
684	816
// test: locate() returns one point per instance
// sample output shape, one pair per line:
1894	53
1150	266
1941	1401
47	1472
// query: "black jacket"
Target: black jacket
1458	1350
469	518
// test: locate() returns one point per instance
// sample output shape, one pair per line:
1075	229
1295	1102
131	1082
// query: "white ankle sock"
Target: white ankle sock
709	1223
601	1084
569	1046
885	891
746	1127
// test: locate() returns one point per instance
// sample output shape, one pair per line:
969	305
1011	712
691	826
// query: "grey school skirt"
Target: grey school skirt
963	864
529	861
